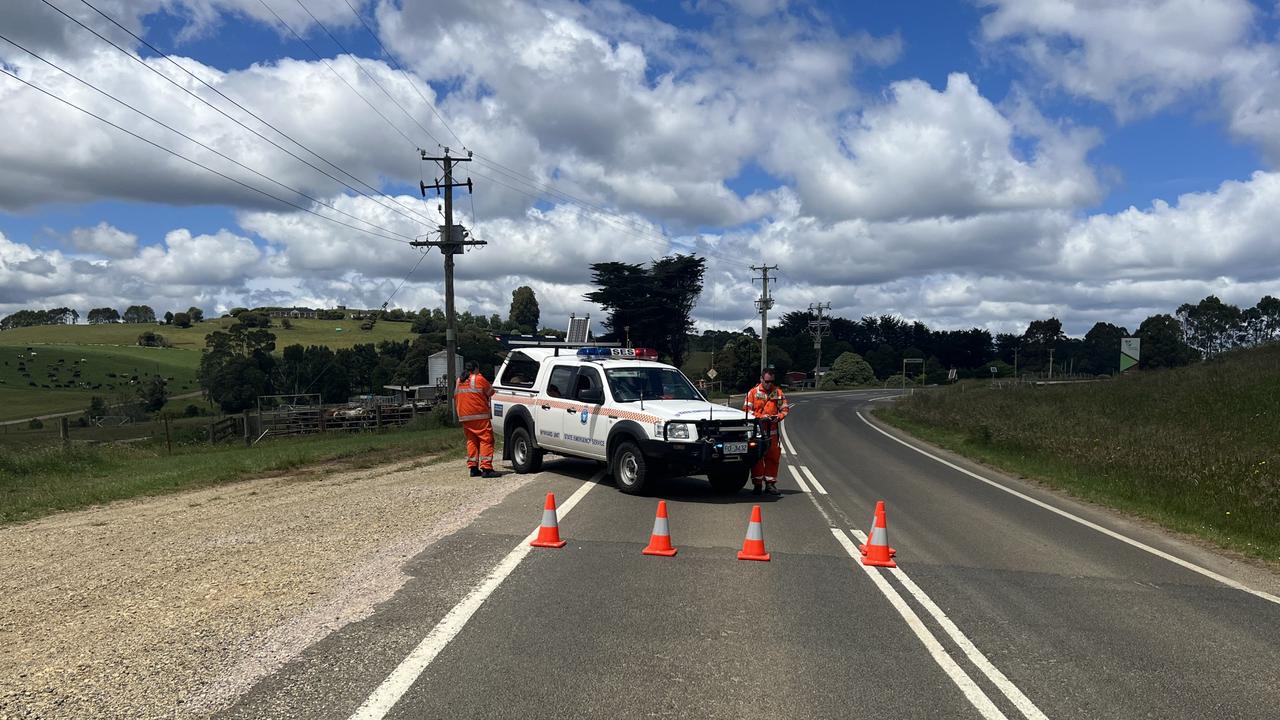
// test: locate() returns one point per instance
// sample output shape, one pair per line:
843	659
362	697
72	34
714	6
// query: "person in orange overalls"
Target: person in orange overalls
471	400
767	403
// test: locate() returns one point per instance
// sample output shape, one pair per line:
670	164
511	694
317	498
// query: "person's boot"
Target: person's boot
475	472
756	488
489	473
772	489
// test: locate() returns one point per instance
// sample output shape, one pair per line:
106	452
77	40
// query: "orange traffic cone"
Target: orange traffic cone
660	540
549	531
871	525
753	546
878	553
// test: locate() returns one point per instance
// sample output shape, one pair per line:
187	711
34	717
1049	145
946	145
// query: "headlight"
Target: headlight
679	431
753	431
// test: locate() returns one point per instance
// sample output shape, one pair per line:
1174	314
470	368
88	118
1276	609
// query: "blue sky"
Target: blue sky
964	164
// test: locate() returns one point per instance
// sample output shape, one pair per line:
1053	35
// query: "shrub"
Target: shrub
848	369
192	411
35	424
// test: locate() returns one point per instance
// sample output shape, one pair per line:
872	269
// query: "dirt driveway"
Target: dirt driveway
169	607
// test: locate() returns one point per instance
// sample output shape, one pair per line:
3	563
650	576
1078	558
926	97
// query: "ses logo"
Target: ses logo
584	415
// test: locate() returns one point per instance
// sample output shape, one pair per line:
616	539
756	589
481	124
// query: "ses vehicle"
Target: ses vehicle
620	406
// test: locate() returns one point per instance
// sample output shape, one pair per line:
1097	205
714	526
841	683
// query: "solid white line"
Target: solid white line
407	672
786	440
813	480
948	664
1003	683
799	480
1092	525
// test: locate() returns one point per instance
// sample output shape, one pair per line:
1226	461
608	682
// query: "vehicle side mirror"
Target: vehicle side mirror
591	395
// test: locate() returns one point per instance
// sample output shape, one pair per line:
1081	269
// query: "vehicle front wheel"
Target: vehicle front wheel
630	470
728	479
525	458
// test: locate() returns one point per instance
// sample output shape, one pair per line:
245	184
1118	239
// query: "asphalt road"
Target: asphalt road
1000	607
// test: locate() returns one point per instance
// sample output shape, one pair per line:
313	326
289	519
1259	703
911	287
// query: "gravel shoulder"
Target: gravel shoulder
170	607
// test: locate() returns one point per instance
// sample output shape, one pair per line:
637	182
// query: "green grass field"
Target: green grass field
1197	448
66	365
41	481
304	332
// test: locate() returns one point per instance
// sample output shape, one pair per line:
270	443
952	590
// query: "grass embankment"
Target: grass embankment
1196	449
42	481
333	333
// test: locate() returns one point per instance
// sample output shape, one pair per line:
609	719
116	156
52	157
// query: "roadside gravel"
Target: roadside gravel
170	607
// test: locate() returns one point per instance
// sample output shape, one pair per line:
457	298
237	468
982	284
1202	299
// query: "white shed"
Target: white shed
438	366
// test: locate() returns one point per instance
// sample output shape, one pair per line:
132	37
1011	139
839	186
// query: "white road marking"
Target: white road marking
799	480
948	664
1002	683
1092	525
407	672
813	480
785	439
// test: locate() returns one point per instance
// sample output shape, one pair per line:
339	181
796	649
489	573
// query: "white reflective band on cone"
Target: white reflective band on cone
754	532
660	526
549	518
879	536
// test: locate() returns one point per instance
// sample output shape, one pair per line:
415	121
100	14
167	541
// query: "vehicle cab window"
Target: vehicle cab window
521	371
588	387
560	384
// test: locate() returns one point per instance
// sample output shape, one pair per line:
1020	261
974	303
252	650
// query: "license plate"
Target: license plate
738	448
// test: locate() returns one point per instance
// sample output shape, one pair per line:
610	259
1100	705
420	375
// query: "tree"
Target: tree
139	314
654	302
236	366
848	369
153	393
524	312
98	316
168	317
1162	344
1101	352
1040	337
1211	326
884	360
196	314
97	407
182	320
1269	318
737	363
151	339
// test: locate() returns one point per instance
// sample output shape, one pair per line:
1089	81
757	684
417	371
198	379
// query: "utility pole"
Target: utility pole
1050	363
817	328
763	304
453	240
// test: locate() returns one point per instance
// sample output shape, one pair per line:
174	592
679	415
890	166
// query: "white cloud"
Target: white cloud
103	239
223	258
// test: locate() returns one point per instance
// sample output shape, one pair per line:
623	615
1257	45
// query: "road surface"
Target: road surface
1008	602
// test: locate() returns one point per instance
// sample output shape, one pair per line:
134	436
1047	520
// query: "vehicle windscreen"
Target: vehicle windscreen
650	383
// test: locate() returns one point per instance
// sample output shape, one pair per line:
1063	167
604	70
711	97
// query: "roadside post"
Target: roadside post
64	432
168	439
905	362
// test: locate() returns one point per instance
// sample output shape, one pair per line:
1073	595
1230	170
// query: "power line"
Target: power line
174	130
368	74
413	85
332	70
184	158
420	218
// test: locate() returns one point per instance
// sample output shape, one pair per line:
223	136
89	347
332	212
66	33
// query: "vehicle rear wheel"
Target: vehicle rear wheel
525	458
729	479
630	471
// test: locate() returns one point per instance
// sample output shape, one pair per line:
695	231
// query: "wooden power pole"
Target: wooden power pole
453	240
763	305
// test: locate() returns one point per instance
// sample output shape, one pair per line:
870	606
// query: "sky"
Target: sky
978	163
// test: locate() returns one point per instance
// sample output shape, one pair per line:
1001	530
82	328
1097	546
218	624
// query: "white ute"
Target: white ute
643	418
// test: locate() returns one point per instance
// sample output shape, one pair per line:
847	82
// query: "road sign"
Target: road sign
952	376
712	373
994	370
1129	352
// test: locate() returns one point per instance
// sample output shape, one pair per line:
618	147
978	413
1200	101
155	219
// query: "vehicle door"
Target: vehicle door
554	406
586	428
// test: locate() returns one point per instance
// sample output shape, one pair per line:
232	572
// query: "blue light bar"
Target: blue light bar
594	352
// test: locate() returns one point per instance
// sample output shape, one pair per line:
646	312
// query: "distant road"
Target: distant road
53	416
1008	602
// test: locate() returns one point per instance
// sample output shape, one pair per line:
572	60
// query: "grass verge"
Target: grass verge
1195	449
43	481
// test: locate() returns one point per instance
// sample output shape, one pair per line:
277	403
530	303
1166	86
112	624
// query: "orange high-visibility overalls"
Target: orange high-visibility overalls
471	400
771	408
